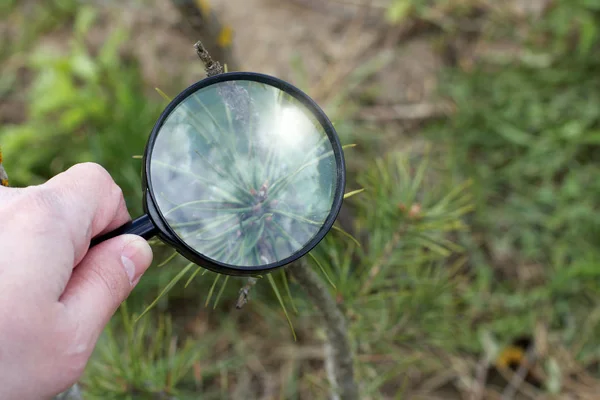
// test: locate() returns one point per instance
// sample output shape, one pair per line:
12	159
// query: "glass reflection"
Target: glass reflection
243	173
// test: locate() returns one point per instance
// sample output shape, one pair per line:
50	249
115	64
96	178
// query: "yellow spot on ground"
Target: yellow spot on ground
510	356
4	182
225	37
204	7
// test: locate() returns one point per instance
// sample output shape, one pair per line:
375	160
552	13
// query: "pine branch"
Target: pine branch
339	358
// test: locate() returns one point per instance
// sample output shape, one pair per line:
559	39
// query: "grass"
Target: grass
491	235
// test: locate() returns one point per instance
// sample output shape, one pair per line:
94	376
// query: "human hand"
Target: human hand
56	295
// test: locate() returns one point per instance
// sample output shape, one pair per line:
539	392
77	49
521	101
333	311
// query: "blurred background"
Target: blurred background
475	273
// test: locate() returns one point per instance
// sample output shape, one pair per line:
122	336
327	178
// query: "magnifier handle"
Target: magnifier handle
141	226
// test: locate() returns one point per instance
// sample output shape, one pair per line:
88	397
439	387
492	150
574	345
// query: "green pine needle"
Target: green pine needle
343	232
193	276
212	289
163	95
220	292
171	257
322	269
352	193
276	290
288	291
166	289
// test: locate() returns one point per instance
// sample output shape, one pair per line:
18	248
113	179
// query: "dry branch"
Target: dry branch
200	20
339	359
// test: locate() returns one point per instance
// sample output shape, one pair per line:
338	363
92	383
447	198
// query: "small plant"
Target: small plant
147	360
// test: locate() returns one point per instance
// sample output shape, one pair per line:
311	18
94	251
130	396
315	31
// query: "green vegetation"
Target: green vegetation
491	233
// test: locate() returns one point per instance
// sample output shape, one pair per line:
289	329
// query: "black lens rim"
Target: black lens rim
167	234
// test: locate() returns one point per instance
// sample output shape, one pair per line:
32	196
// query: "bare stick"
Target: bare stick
212	67
245	293
200	19
339	359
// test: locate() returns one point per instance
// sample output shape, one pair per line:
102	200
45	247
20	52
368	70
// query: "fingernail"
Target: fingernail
130	253
129	268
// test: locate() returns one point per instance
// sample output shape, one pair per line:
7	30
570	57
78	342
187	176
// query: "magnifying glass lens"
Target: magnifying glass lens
243	173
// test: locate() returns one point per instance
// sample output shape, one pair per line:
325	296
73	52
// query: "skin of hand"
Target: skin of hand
56	294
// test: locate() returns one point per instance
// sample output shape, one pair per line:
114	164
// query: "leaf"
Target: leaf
354	192
274	286
322	269
166	289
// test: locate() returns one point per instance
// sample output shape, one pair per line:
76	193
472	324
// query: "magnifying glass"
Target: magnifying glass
243	174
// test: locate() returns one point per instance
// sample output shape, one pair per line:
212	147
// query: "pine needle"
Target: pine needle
288	291
276	290
220	292
192	277
212	289
322	269
343	232
166	289
163	95
352	193
171	257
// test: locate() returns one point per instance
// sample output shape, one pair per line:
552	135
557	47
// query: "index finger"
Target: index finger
91	201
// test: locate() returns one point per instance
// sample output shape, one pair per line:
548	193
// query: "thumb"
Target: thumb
104	279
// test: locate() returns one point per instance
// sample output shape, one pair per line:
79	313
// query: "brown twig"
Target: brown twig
339	360
245	293
201	20
212	67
